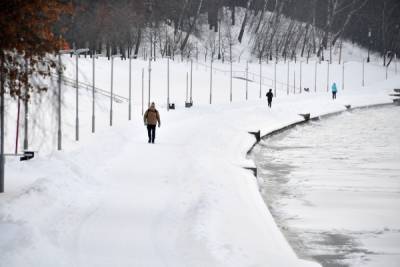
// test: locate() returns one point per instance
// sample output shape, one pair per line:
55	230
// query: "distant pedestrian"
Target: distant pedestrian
334	90
269	95
151	118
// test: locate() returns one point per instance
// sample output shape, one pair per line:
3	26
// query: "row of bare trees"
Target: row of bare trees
275	28
307	27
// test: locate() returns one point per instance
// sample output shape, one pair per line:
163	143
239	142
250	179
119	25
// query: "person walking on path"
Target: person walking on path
269	95
334	90
151	118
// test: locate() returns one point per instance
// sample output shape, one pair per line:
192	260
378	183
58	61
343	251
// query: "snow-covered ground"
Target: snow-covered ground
114	200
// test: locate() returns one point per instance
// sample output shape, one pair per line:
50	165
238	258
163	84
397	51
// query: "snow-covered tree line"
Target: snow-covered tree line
275	28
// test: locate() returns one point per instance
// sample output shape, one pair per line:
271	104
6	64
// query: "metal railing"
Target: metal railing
72	83
255	77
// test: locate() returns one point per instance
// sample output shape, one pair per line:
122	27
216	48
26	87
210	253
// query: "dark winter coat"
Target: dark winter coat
270	95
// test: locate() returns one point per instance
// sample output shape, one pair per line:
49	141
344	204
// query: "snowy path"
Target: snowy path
151	204
169	214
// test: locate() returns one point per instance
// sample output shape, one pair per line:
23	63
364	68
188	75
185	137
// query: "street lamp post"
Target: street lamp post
93	92
112	91
59	135
287	88
26	109
148	103
363	73
59	132
77	52
211	67
2	123
260	79
230	80
301	77
142	90
327	77
191	81
219	39
168	83
247	80
187	87
343	75
130	88
315	76
275	77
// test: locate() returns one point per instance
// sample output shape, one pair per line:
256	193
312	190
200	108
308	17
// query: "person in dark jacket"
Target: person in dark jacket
151	118
269	95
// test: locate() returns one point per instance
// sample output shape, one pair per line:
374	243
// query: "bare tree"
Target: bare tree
192	24
246	16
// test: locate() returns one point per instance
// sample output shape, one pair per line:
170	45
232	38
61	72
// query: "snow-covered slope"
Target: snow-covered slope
112	199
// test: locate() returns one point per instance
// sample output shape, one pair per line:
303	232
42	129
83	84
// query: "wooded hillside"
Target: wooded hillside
126	26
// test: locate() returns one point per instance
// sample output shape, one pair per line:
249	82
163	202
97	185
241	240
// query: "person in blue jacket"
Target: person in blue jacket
334	90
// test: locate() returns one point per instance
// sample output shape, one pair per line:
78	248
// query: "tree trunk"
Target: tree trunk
262	15
383	29
2	94
180	23
355	8
314	25
276	21
296	42
244	21
287	38
340	51
305	39
191	26
108	52
233	21
138	41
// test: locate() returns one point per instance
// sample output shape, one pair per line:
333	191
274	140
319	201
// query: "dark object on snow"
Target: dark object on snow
307	89
306	116
241	78
396	101
257	135
171	106
188	104
348	106
27	155
252	169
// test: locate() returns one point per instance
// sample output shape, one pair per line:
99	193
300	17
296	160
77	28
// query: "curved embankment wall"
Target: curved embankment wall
315	118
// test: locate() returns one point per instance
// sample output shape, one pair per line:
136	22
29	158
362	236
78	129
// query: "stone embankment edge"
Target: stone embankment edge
315	118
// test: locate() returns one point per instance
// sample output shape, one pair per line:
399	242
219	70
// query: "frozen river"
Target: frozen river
333	187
